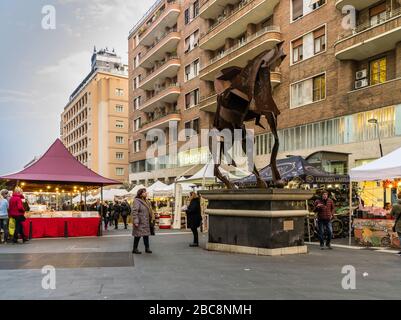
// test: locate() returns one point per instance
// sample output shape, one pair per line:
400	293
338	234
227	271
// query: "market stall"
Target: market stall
58	174
373	224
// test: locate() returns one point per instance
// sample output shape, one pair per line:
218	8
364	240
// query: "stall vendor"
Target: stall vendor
396	213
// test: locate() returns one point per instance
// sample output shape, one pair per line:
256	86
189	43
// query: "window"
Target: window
187	16
119	140
119	108
137	146
119	156
137	60
137	124
119	171
378	71
319	88
195	9
320	40
119	124
119	92
191	127
297	9
297	50
192	99
192	70
195	125
308	91
137	102
301	8
137	81
191	42
377	14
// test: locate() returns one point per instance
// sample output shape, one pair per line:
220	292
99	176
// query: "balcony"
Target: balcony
357	4
167	69
366	40
236	22
167	19
211	9
161	122
169	94
240	54
158	50
209	103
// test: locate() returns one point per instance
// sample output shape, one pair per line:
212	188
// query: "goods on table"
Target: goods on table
376	233
62	214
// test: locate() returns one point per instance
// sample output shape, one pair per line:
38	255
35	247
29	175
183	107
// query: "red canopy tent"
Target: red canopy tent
58	168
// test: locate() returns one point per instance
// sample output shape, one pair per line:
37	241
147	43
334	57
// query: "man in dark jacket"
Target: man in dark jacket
117	212
325	213
125	212
194	217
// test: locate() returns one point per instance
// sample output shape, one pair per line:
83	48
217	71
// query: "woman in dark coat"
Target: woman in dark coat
194	217
116	214
143	219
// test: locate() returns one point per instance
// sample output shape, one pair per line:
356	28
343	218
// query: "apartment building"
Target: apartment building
94	123
342	70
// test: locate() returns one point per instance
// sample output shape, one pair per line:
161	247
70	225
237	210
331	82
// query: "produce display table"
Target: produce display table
37	228
376	233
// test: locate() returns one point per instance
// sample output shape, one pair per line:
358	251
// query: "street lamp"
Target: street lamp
376	122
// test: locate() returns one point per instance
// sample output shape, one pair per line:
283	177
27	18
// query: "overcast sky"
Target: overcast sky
40	68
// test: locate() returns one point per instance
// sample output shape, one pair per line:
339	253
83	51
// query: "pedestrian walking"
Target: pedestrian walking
110	210
325	213
16	210
143	219
4	215
116	214
396	213
194	217
125	212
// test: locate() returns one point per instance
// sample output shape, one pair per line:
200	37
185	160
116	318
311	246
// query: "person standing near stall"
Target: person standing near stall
396	213
143	219
194	217
16	210
116	215
4	214
325	213
125	212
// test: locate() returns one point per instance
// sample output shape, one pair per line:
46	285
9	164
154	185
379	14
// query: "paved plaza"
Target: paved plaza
103	268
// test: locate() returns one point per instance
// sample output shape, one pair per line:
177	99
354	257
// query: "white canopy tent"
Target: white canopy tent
109	195
387	167
169	191
157	186
135	190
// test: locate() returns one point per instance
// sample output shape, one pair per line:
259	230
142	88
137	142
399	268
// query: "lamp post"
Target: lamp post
376	123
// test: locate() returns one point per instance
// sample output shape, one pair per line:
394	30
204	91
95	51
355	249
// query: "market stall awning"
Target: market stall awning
296	167
206	175
59	166
387	167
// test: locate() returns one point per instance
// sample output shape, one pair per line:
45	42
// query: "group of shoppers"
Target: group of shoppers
111	212
14	207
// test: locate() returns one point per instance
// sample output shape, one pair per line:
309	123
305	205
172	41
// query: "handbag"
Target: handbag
11	227
152	228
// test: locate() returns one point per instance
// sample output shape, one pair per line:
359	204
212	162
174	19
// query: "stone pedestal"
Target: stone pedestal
253	221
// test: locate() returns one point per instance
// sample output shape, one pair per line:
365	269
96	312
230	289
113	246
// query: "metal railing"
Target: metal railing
159	117
368	24
159	41
157	95
146	15
241	5
162	64
244	43
208	96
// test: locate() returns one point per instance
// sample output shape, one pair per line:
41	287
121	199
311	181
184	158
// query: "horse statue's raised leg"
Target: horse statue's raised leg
272	121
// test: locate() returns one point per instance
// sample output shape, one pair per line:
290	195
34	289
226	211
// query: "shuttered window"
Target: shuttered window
297	9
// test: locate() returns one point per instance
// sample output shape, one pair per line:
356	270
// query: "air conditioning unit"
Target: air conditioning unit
362	74
361	83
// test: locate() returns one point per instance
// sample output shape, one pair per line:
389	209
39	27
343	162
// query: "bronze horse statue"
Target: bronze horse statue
245	94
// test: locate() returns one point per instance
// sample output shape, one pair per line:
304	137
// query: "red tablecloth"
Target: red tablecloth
56	227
